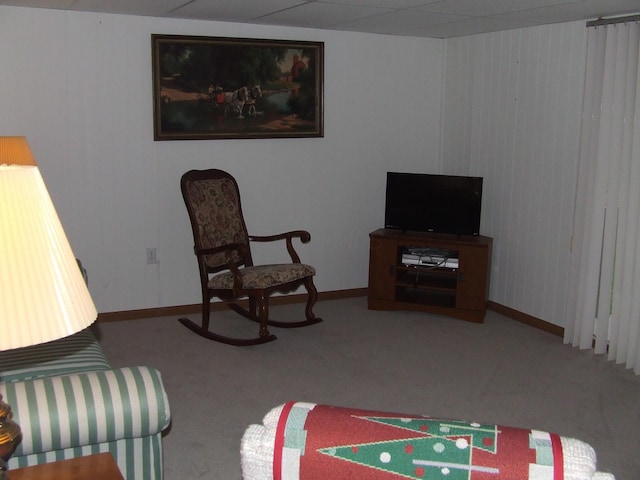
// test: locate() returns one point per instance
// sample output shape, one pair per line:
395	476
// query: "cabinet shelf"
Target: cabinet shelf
426	279
459	292
426	297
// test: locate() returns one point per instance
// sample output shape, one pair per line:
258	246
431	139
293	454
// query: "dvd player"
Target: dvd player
429	260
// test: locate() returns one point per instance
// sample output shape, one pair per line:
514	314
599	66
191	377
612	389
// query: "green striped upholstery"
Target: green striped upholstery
122	411
77	353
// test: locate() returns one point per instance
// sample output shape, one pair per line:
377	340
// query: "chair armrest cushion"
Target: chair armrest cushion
87	408
76	353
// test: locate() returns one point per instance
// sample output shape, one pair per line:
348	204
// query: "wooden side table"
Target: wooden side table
101	466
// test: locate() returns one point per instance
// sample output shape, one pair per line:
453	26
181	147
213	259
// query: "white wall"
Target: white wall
78	85
512	108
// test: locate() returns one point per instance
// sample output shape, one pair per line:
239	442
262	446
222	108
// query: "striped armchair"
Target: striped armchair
69	402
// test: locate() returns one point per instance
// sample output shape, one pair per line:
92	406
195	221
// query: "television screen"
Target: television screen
433	203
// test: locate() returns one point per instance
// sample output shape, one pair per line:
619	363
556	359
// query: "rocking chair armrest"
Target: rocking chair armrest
232	264
233	268
303	235
224	248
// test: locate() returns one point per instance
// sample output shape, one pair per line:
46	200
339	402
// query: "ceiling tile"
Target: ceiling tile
321	15
586	9
460	29
127	7
54	4
391	4
399	22
487	7
233	10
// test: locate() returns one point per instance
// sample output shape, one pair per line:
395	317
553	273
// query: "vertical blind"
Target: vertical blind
603	310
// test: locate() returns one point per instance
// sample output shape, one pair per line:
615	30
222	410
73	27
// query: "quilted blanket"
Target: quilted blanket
305	441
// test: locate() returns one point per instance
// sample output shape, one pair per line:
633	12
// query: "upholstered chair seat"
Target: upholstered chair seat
264	276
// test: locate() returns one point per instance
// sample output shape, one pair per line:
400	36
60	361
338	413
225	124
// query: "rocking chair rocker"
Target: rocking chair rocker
224	258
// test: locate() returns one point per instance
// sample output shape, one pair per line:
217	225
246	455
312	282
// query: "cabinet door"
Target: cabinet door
382	266
472	278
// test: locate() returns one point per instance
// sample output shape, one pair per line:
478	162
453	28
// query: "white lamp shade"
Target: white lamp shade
43	295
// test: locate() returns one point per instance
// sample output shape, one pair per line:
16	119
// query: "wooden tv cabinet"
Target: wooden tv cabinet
460	292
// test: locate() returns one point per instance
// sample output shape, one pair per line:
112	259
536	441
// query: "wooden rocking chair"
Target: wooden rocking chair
224	258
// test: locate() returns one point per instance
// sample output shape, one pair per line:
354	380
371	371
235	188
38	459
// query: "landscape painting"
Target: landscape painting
222	88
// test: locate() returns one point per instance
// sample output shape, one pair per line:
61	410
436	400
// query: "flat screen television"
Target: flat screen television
433	203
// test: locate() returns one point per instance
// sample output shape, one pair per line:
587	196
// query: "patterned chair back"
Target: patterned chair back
213	202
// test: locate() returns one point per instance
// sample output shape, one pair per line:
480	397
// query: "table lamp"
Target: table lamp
43	295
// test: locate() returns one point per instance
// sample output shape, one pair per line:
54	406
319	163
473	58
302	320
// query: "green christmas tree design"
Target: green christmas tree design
483	436
445	451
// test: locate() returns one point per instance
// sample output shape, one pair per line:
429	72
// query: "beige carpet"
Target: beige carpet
500	372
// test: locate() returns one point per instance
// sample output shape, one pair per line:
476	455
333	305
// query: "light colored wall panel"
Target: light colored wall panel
512	111
78	85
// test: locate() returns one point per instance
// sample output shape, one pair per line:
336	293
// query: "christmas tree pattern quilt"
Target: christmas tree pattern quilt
310	441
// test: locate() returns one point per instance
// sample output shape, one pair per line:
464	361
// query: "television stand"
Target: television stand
450	275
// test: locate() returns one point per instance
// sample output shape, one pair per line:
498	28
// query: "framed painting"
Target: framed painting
221	88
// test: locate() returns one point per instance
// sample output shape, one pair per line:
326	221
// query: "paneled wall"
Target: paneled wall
511	113
78	85
503	105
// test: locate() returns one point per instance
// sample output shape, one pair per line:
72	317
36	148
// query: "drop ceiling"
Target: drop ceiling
419	18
